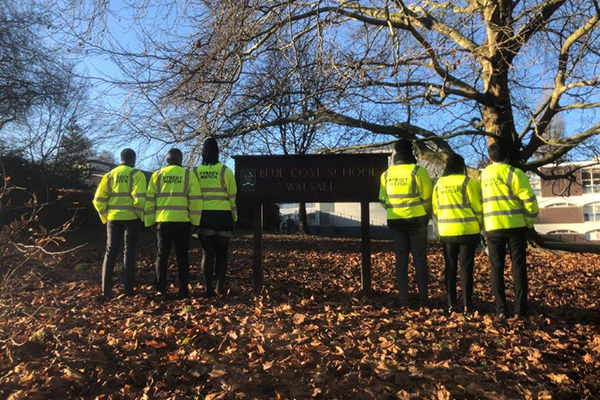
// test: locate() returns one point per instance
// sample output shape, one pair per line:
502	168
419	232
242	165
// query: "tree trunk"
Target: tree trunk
563	246
537	240
303	217
497	113
497	117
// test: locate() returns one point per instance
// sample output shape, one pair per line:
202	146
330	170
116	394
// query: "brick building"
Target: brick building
570	207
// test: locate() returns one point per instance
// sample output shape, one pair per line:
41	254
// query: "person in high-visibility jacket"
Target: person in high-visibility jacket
509	211
174	203
405	193
219	213
119	201
457	209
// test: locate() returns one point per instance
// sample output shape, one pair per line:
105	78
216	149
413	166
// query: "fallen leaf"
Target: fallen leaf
267	365
299	319
559	379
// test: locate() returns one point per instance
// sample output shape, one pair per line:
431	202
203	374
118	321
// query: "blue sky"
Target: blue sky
124	30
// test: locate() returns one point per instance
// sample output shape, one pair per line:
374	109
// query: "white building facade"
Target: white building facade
570	208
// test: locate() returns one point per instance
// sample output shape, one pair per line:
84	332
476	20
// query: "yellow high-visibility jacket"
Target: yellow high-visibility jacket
405	192
121	195
218	187
508	199
173	196
457	205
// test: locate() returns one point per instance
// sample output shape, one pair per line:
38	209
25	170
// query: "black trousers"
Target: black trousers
214	261
414	241
463	255
116	231
168	233
517	243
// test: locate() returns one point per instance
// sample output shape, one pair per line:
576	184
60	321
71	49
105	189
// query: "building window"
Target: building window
284	206
561	205
590	180
562	232
536	184
593	235
591	212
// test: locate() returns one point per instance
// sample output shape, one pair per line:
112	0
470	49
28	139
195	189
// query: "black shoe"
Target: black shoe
423	305
501	316
208	295
162	296
401	303
129	293
183	295
103	298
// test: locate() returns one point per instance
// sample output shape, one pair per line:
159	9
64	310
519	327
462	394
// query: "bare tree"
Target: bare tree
41	133
447	75
289	84
30	71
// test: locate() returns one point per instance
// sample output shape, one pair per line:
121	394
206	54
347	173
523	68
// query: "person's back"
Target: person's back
174	202
509	210
457	208
119	200
121	194
405	193
508	199
170	198
219	190
219	214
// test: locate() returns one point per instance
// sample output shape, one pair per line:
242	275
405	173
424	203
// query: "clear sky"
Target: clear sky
121	28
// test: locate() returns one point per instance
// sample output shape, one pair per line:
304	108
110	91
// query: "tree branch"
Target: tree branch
534	25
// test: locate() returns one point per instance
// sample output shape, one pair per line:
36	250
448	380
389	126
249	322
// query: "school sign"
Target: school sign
310	178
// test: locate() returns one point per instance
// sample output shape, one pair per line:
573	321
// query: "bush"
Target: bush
25	240
45	184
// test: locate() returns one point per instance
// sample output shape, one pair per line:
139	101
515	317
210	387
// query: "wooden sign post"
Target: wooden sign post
310	178
365	230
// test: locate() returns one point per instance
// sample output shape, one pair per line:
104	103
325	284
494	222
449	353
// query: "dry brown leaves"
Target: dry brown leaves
309	335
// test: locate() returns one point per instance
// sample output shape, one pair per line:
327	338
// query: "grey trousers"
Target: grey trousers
116	231
413	241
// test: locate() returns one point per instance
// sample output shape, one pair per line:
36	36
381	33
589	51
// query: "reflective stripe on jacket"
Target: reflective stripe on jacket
173	196
457	205
121	195
508	199
405	191
218	187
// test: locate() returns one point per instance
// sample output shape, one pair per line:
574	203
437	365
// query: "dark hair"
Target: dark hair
174	156
455	164
403	146
210	152
128	156
498	152
404	152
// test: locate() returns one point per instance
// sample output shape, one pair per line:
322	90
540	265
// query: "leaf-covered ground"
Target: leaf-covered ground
309	335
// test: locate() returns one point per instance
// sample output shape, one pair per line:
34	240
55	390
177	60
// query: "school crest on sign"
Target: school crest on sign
248	180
